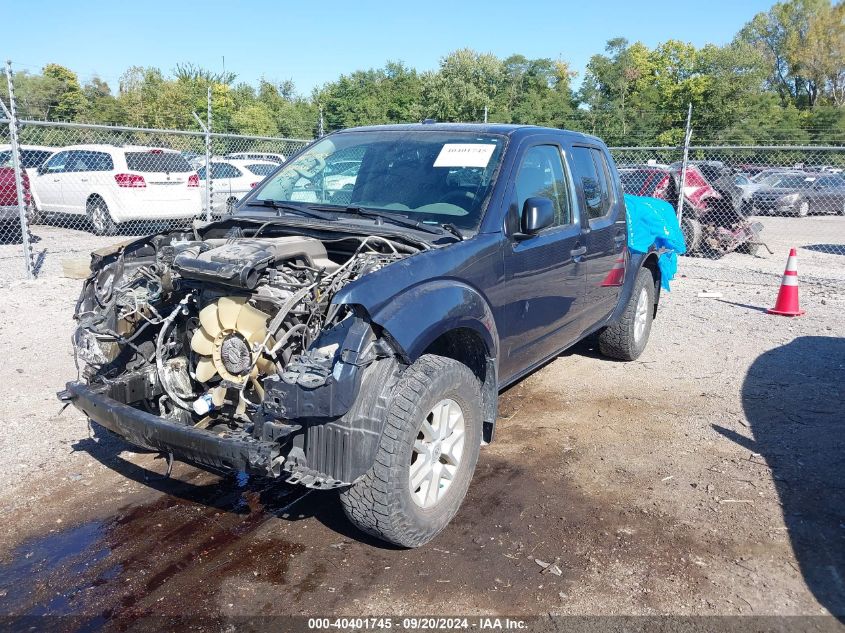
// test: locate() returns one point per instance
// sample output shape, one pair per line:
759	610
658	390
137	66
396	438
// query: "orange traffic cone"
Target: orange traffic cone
787	301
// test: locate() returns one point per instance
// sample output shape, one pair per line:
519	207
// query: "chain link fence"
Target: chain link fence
739	204
86	186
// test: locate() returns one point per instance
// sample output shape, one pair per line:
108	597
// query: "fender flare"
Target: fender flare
419	315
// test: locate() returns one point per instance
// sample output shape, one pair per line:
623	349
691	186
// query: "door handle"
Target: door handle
578	253
83	180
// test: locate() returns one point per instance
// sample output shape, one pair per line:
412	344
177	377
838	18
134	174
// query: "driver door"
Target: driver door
546	274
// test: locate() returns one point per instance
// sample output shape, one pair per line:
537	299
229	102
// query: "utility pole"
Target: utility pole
485	114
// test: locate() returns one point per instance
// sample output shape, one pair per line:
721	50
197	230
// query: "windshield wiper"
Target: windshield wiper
287	206
396	218
453	230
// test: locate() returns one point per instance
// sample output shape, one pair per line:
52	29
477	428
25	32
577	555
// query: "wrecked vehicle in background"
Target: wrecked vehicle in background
715	218
357	340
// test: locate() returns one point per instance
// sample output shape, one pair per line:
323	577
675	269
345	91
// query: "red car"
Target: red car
714	219
9	214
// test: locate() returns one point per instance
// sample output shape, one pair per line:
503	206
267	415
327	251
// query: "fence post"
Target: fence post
208	181
11	114
687	137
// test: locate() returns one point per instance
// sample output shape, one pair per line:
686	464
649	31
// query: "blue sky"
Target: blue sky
313	42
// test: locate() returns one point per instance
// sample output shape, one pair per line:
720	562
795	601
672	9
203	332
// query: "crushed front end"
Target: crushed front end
222	346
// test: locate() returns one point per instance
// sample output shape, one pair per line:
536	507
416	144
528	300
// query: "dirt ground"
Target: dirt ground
706	478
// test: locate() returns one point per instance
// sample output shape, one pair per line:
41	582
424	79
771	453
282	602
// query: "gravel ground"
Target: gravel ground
705	478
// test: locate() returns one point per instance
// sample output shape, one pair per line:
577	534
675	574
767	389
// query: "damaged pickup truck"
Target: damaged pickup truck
353	333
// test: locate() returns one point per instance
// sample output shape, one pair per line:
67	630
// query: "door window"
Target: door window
56	164
87	160
542	175
224	170
590	169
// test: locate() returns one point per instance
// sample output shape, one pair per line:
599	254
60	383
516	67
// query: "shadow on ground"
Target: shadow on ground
793	398
831	249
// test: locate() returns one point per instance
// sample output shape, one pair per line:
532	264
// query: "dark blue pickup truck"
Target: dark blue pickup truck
351	324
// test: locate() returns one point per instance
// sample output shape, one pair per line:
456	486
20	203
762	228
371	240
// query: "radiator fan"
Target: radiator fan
225	341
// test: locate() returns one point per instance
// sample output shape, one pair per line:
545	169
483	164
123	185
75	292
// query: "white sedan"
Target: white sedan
232	179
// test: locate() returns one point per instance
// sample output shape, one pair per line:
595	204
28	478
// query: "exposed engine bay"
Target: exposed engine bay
238	337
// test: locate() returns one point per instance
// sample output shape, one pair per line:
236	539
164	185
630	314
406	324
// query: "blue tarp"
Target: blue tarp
652	222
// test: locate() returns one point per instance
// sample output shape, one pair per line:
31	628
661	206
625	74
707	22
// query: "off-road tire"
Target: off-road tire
100	217
381	503
619	340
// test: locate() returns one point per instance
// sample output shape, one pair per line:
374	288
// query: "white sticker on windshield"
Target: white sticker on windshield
464	155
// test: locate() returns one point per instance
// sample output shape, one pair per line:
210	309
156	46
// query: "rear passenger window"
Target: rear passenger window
157	161
590	169
541	175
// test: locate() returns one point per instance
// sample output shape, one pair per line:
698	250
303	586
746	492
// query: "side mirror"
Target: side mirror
537	214
42	168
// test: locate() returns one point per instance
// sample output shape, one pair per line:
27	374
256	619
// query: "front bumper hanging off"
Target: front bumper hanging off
237	451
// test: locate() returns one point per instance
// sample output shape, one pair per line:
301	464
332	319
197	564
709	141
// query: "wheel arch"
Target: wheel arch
466	346
452	319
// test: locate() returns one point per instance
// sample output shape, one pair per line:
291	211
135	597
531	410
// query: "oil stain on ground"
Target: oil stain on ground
165	556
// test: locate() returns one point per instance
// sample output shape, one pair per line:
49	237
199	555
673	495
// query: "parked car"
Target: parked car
111	184
10	225
232	179
362	348
714	220
800	194
32	156
645	180
274	158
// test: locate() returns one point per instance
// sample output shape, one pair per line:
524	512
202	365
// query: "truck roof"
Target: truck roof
507	129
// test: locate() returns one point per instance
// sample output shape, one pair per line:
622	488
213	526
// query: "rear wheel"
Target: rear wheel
691	230
626	339
100	217
426	456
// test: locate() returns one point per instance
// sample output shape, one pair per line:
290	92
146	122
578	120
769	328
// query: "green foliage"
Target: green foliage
781	80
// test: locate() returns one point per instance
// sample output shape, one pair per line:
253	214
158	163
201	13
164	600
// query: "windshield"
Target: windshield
429	176
30	158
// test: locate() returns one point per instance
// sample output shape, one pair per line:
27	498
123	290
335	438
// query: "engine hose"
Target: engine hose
286	337
165	327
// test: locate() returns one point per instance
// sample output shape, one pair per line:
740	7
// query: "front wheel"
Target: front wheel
803	209
426	456
626	339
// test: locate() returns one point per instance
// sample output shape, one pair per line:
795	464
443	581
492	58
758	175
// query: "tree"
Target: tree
780	35
466	82
365	97
820	56
101	106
